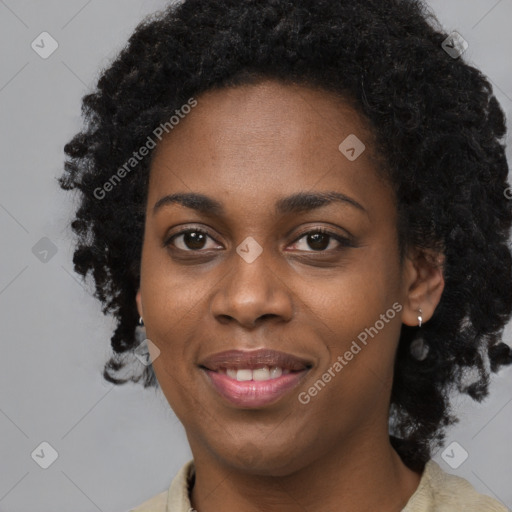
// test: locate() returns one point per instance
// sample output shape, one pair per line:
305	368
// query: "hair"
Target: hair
438	129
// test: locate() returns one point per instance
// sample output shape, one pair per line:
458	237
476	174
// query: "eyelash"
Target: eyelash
343	241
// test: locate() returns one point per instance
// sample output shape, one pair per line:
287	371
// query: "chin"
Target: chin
257	460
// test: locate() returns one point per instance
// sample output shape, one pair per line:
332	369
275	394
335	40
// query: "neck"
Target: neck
361	475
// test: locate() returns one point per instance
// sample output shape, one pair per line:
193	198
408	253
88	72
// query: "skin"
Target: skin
247	147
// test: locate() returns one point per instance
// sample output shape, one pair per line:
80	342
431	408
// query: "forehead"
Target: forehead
259	140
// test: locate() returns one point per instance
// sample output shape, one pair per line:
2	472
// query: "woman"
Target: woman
304	204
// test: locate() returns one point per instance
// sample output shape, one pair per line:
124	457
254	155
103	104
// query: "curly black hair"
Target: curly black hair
438	128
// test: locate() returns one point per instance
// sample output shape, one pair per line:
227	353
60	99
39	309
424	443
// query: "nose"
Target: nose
251	293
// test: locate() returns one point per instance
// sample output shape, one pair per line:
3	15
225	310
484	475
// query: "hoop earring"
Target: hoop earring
141	322
418	348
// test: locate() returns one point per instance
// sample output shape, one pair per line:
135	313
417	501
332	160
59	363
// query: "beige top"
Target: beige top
438	491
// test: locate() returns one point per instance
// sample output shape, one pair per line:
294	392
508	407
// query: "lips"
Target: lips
238	359
254	379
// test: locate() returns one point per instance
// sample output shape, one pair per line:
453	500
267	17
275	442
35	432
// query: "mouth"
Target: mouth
256	378
258	374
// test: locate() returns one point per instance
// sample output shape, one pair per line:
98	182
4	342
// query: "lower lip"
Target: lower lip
253	393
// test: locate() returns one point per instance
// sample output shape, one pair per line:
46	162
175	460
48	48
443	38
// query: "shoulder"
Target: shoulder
444	492
176	497
157	503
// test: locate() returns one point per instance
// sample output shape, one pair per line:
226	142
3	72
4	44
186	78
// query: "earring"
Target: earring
418	348
140	331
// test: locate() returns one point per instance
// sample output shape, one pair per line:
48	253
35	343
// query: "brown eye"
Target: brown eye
191	239
319	239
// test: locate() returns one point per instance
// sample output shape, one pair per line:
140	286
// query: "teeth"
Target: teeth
231	373
260	374
244	375
275	372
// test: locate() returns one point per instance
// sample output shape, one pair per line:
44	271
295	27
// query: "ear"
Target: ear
424	284
138	300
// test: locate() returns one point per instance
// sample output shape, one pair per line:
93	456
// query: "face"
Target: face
246	268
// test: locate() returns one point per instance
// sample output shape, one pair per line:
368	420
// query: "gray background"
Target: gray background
118	446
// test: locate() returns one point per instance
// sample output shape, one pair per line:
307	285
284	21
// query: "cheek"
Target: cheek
174	299
178	389
169	305
355	297
169	295
354	379
361	308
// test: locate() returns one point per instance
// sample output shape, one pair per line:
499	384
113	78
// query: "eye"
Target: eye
319	239
195	239
192	239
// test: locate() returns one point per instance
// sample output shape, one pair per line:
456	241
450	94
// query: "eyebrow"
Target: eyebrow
295	203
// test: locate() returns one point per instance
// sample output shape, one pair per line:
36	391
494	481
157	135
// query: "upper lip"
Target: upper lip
253	359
